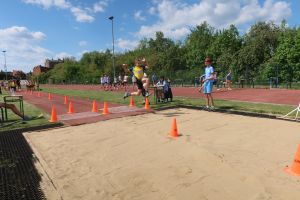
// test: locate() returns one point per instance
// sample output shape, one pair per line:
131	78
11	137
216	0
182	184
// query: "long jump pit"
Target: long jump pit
217	156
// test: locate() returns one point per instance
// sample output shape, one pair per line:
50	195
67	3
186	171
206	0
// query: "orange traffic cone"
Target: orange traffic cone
66	100
295	168
49	97
147	107
94	108
53	115
39	94
174	131
105	109
71	110
131	101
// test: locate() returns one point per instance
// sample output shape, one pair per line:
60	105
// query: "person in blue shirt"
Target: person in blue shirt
208	83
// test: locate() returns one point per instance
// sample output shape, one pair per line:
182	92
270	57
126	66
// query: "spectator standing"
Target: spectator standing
154	79
125	82
229	80
133	79
208	83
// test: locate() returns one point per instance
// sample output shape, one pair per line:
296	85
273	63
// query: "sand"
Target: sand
218	157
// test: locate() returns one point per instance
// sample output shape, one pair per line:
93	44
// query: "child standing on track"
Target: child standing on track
208	83
228	80
138	72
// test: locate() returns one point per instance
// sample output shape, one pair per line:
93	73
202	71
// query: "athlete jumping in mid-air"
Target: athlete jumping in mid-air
138	72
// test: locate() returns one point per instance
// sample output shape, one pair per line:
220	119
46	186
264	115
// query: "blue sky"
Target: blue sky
33	30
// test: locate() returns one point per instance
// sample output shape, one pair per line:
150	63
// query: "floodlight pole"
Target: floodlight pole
113	43
5	67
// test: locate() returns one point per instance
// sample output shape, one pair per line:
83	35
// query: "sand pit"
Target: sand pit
218	156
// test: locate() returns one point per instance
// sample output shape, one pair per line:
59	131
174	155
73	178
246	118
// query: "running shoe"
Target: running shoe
127	94
27	118
147	94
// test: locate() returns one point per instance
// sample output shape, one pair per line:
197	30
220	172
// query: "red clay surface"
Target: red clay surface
274	96
82	108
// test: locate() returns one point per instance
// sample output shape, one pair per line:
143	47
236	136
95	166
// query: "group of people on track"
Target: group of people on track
139	74
142	82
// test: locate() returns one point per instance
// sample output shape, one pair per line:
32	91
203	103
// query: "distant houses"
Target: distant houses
49	64
18	74
37	70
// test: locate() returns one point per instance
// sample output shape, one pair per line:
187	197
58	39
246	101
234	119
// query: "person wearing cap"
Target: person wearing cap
208	83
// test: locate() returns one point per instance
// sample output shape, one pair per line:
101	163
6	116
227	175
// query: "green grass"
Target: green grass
15	122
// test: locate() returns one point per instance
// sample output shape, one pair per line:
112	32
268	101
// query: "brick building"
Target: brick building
37	70
18	74
49	64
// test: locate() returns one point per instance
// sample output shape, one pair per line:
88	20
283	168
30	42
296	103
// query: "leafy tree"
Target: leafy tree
259	45
288	55
197	44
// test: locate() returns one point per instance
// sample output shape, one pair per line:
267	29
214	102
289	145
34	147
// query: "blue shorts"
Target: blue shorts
207	87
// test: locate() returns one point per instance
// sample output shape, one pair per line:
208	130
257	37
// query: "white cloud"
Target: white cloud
80	54
82	43
63	55
152	11
176	17
49	3
22	48
138	16
81	15
126	44
274	11
100	6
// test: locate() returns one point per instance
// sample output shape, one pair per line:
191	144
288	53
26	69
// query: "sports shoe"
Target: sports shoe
145	103
147	94
26	118
127	94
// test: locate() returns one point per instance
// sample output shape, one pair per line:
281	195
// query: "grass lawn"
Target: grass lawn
15	122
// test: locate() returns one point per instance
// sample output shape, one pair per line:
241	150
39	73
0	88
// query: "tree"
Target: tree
259	45
288	55
197	44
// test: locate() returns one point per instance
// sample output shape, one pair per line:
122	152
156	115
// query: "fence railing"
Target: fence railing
197	83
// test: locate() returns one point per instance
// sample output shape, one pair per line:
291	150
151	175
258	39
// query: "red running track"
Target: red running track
274	96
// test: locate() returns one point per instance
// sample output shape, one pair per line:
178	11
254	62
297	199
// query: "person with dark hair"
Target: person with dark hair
18	82
154	79
208	83
160	89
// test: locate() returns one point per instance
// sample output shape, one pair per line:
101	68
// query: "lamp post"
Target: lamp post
5	68
276	76
113	43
